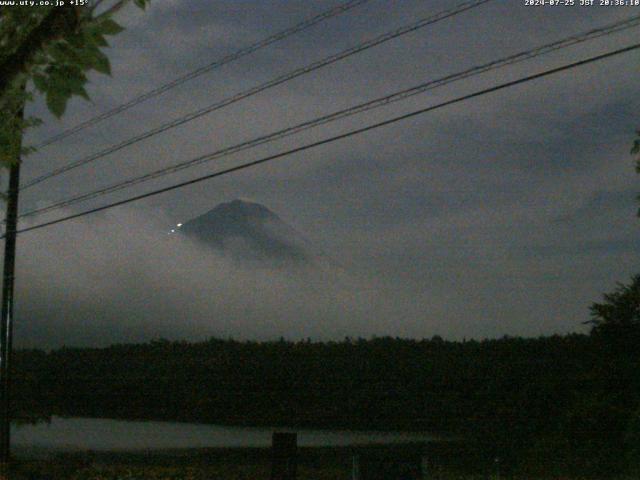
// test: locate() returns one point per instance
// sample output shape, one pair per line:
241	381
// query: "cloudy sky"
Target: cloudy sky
507	214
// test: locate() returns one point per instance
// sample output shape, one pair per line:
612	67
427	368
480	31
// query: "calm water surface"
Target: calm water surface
106	434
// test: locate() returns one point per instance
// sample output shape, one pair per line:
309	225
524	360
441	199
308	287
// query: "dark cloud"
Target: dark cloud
507	214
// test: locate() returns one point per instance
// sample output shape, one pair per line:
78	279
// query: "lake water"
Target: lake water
105	434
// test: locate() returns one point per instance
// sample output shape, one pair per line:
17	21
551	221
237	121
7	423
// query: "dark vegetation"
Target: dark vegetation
557	404
195	464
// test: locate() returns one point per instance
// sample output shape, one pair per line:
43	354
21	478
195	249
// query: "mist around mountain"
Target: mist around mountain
132	282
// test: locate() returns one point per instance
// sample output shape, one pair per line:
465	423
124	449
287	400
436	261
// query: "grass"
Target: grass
224	464
200	472
213	464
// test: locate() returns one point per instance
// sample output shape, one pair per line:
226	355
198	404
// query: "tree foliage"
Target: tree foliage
49	49
633	444
616	330
618	316
505	393
635	150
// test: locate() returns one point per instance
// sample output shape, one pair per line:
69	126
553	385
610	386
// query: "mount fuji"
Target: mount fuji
249	231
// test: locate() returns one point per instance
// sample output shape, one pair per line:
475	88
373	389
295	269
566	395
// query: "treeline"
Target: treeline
562	402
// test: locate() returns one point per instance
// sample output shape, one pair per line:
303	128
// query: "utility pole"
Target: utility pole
6	319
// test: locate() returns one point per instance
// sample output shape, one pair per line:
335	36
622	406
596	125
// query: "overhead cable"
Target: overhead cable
363	107
335	138
204	69
260	88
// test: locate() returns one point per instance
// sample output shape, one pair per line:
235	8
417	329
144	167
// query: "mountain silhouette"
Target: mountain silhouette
248	231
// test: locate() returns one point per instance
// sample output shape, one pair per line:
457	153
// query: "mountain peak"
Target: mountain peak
242	207
247	230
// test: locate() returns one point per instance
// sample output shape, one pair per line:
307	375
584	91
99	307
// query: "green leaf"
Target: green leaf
75	83
66	78
109	27
56	102
76	40
101	63
96	38
85	58
58	52
140	4
80	91
40	81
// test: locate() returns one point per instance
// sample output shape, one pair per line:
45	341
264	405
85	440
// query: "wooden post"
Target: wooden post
284	456
355	472
6	319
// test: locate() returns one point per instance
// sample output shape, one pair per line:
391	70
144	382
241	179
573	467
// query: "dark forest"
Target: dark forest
572	401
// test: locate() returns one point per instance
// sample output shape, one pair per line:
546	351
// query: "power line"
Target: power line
372	104
336	137
262	87
204	69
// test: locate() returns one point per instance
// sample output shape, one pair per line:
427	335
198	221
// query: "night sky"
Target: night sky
506	214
